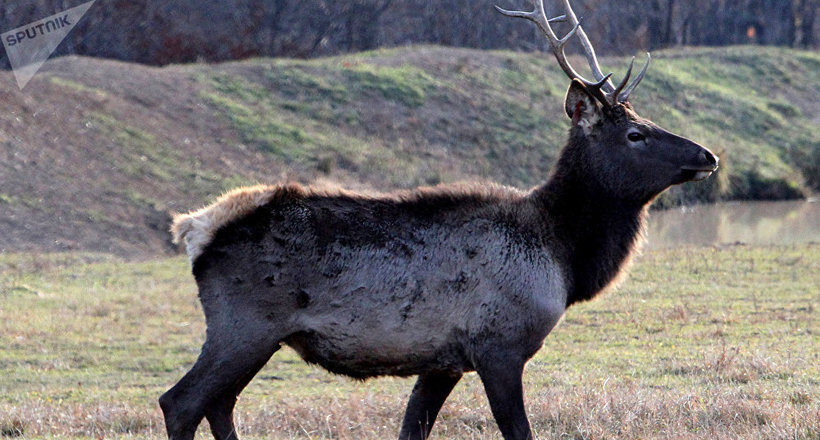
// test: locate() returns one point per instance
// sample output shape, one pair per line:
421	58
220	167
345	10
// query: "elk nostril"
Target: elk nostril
708	157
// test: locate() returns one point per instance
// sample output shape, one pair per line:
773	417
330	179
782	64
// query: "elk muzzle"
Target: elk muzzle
703	165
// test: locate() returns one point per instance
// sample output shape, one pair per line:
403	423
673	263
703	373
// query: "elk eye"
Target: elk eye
635	136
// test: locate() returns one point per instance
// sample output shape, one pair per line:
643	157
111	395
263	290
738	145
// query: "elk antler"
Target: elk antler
602	87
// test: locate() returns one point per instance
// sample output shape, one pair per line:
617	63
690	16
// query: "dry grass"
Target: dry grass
706	343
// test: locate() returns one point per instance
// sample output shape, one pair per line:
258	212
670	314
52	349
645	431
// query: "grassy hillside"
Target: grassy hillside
711	343
94	153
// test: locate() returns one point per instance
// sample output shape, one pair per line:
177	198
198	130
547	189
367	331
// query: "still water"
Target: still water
744	222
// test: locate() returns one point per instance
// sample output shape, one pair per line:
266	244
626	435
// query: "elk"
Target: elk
432	282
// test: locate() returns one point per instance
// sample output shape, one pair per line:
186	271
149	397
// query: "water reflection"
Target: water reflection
745	222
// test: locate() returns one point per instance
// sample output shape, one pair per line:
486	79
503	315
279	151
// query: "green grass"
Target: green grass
78	87
137	152
405	85
260	129
7	199
304	119
698	343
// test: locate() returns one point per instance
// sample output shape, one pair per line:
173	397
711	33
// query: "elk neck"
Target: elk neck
593	231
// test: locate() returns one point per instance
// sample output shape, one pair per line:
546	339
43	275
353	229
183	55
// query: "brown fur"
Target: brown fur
197	228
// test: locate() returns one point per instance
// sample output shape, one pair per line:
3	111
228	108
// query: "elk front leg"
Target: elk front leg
502	383
219	411
428	395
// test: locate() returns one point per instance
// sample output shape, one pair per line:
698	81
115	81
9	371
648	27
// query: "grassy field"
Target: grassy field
699	343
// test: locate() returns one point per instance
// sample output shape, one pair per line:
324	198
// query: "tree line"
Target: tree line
160	32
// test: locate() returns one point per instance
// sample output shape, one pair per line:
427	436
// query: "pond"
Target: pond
741	222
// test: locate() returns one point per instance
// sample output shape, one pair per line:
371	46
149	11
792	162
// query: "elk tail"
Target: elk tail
196	229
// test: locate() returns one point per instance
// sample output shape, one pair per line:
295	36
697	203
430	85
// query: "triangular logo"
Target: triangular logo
29	46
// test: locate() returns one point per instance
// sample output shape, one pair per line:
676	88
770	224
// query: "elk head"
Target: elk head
629	156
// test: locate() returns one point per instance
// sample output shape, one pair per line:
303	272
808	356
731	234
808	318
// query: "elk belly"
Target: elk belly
407	327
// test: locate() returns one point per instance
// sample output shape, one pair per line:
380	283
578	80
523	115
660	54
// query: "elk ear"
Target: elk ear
580	106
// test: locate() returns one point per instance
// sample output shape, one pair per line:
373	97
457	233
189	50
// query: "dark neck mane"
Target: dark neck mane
594	233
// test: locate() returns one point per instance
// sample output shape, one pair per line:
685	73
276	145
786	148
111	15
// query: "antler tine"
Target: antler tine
592	59
539	17
532	15
617	92
624	95
597	91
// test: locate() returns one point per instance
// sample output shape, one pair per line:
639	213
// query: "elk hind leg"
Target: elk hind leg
429	394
